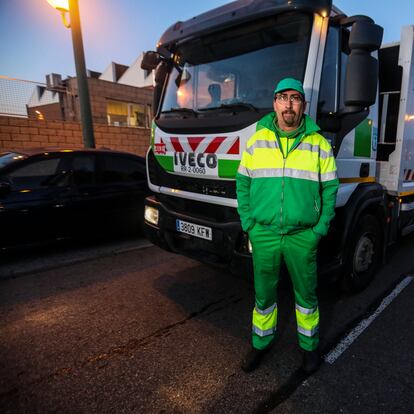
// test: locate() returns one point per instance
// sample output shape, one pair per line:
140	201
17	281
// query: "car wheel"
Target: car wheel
364	255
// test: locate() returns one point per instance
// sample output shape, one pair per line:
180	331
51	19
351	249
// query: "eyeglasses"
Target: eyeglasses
283	98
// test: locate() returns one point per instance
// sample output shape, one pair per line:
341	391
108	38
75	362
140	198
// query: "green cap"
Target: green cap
290	83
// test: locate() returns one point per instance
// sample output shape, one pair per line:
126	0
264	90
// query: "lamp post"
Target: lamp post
72	7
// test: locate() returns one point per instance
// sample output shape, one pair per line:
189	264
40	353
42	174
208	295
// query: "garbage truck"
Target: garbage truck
214	77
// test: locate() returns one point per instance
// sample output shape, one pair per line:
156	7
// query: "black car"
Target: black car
59	193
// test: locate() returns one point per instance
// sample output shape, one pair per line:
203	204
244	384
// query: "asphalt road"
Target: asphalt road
146	331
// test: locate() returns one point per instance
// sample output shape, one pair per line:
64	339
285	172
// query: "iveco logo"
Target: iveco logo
195	160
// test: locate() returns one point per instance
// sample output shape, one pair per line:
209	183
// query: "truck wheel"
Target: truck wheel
365	253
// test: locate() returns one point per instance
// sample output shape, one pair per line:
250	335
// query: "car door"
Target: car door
34	207
86	203
123	186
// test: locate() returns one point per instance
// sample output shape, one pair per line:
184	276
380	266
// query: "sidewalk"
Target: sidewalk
22	263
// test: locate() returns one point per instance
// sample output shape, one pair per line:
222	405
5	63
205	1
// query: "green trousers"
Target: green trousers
299	253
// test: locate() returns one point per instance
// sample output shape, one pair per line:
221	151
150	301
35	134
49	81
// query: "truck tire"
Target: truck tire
364	255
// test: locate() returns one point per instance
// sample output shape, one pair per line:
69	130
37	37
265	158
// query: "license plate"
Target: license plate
194	229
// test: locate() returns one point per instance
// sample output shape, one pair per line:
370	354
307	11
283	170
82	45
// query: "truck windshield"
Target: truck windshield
237	69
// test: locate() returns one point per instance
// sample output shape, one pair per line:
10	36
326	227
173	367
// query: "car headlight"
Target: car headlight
151	215
249	246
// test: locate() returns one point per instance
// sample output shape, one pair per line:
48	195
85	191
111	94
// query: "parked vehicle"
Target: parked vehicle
215	76
59	193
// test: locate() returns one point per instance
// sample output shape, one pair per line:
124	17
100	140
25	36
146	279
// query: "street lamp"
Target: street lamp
71	6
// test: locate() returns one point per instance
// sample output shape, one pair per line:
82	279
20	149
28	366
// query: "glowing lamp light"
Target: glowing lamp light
61	5
151	215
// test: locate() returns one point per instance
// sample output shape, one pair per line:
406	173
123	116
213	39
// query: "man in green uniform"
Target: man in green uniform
286	192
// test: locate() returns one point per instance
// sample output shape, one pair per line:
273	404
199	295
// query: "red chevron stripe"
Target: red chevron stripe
176	144
235	148
213	146
194	142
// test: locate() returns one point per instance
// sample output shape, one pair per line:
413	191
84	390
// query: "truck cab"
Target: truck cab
214	80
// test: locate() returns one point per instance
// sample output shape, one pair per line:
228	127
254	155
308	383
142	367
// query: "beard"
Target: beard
290	117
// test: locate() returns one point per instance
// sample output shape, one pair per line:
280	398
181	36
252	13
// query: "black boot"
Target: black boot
252	359
311	361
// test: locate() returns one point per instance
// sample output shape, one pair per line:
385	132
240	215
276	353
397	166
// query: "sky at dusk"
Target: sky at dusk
34	41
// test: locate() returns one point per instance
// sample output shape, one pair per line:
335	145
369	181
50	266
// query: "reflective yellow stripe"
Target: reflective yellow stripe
266	311
261	135
308	332
305	175
307	320
266	332
264	321
306	311
406	193
329	176
243	170
262	144
287	172
357	180
263	158
306	146
266	172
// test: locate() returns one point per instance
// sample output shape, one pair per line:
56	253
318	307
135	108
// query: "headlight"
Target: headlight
151	215
249	246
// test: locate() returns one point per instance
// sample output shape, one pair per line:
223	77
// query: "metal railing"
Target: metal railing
15	95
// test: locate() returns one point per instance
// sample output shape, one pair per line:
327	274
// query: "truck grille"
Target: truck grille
219	188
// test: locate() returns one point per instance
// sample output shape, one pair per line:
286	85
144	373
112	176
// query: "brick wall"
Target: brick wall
50	111
18	133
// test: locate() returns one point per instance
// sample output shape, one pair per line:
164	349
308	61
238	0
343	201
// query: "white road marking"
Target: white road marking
334	354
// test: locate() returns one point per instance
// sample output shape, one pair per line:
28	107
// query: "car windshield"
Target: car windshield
238	69
7	158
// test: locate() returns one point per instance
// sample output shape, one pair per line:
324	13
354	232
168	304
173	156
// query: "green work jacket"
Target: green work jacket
287	192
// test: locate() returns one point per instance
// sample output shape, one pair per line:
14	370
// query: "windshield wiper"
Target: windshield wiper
237	105
181	110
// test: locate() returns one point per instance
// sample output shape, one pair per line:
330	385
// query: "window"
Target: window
328	95
122	169
83	169
390	77
240	65
36	174
127	114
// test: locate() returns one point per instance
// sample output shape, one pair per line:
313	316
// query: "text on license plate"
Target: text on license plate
194	229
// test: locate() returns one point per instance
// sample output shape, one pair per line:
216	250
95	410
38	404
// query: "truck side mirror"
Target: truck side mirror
150	60
362	69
